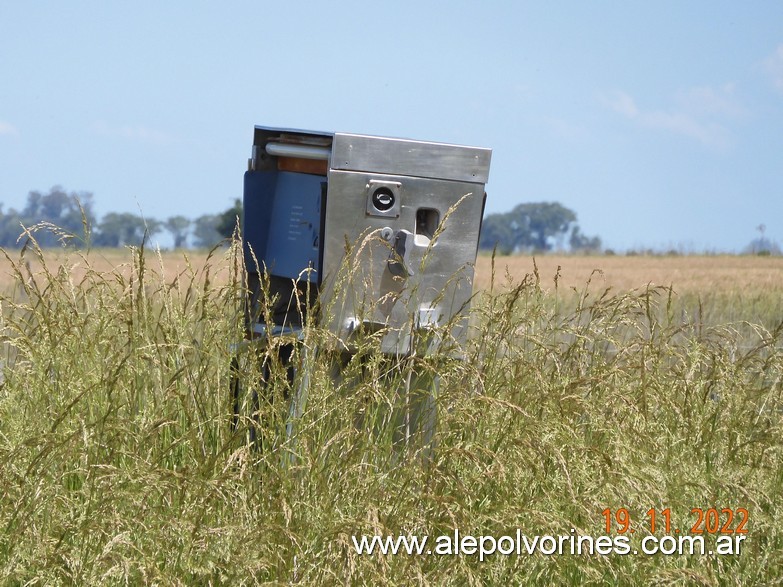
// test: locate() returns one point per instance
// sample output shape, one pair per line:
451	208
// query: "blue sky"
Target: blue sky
659	123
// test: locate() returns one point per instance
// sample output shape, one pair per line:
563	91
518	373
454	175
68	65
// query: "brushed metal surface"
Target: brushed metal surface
351	152
358	288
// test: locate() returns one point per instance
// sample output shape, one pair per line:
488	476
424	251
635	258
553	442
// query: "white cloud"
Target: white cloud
708	133
134	133
623	104
6	128
693	119
705	100
773	65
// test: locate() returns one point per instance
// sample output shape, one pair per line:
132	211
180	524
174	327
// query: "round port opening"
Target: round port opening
383	199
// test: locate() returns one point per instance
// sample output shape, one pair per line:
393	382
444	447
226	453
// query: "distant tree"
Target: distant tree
227	221
117	229
10	227
762	246
580	242
543	223
205	231
72	213
497	231
178	226
529	226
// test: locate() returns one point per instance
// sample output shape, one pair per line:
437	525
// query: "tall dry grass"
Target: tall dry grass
121	463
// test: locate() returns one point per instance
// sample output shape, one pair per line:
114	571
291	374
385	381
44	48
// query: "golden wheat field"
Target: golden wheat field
686	274
719	289
167	264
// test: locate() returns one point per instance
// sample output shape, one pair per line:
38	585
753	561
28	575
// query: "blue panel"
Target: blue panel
257	204
296	223
283	222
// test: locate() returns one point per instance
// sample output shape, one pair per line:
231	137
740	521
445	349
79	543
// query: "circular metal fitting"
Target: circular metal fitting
383	199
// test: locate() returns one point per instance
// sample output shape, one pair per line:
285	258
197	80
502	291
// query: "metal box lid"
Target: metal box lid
352	152
391	156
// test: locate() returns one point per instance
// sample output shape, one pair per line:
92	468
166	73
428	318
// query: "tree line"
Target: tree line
527	227
542	226
56	214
